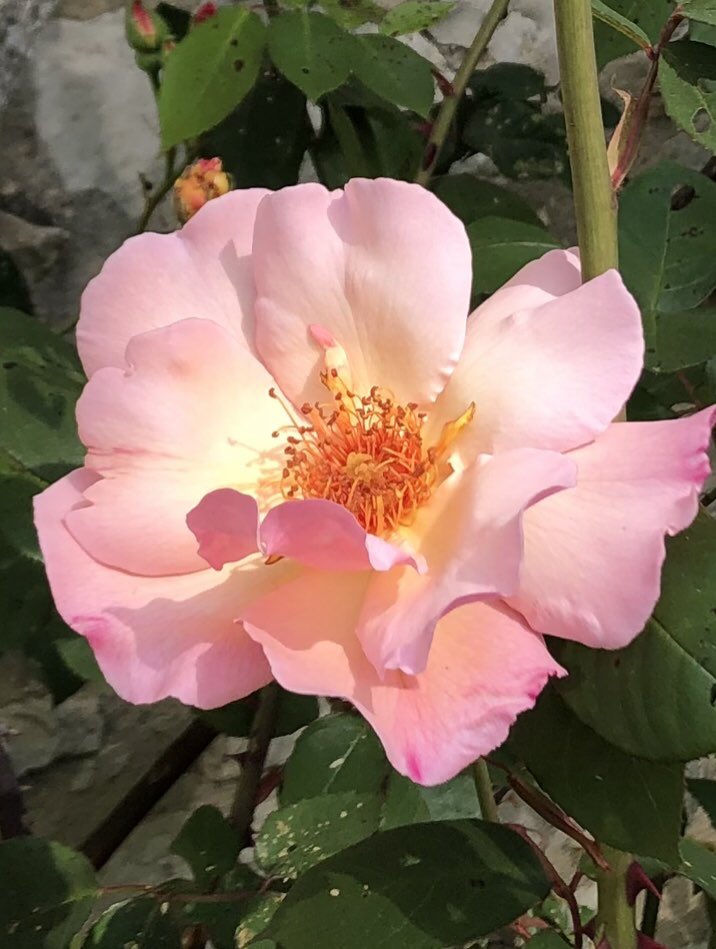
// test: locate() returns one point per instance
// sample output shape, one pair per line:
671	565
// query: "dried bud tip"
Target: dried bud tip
200	182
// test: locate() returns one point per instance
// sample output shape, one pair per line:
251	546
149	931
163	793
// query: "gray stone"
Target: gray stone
27	721
80	723
20	21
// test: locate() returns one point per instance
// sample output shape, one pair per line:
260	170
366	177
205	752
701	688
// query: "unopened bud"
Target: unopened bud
205	12
145	29
201	182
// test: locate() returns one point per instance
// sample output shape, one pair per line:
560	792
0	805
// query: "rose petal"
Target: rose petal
226	525
154	280
593	554
485	667
382	268
191	414
550	377
154	637
471	537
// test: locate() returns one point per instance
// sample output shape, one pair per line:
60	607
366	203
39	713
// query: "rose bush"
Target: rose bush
305	462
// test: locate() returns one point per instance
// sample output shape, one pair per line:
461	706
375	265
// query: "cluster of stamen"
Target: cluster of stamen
365	453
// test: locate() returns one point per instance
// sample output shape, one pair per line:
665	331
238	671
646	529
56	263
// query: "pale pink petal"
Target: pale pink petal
324	535
383	268
485	667
593	554
550	377
226	525
154	637
202	271
192	413
471	537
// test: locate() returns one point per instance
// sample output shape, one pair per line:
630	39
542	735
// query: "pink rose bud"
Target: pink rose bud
197	184
205	12
145	29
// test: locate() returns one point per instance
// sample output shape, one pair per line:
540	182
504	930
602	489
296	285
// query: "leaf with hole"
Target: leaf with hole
470	878
687	79
393	71
311	51
501	247
209	73
298	836
47	893
668	263
628	802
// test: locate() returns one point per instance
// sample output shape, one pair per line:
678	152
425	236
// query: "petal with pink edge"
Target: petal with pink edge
549	377
202	271
486	666
471	538
383	268
593	554
324	535
154	637
192	413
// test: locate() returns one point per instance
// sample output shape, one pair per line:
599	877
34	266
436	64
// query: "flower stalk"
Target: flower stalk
483	786
449	105
595	208
595	203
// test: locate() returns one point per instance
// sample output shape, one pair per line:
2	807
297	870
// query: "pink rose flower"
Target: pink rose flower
305	462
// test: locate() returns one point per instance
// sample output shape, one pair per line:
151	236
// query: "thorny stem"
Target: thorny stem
483	786
450	102
242	809
594	199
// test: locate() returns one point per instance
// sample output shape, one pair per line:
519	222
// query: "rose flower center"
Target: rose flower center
366	453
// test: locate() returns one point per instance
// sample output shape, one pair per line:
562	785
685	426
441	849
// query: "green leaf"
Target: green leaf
667	261
298	836
408	803
506	120
40	380
621	694
209	73
209	844
687	79
699	865
705	793
46	895
294	711
311	51
547	939
627	802
471	198
336	753
77	655
410	16
426	886
144	923
500	247
616	21
704	11
263	141
352	13
233	922
393	71
648	16
363	136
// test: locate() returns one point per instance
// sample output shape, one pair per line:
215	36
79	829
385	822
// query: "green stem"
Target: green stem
262	729
615	917
446	113
483	786
594	199
160	192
